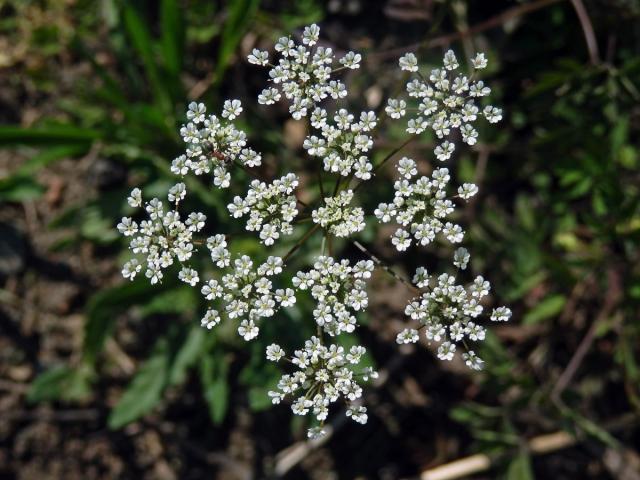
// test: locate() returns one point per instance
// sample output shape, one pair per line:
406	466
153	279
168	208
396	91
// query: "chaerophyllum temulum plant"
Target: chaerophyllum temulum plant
248	290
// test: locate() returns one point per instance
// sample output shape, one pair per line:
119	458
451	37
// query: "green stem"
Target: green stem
300	242
387	269
389	156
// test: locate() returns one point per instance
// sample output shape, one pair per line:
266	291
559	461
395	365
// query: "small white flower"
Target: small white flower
469	134
210	319
401	240
421	277
408	62
446	351
450	61
310	35
135	199
396	108
492	114
127	227
189	275
407	167
461	258
269	96
196	112
408	335
444	150
316	433
358	414
274	352
501	314
351	60
479	61
231	109
472	360
131	268
467	190
177	192
258	57
248	330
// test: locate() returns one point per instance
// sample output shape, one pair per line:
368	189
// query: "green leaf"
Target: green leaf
591	428
141	38
240	14
520	467
176	300
50	135
19	188
145	390
549	307
259	399
213	376
525	212
172	40
96	226
188	354
60	383
106	305
49	156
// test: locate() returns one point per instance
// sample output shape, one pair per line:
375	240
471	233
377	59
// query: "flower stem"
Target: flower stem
386	268
300	242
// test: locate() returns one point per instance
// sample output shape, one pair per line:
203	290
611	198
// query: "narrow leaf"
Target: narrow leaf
143	393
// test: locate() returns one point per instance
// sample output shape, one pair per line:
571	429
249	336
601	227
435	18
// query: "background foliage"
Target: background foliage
91	95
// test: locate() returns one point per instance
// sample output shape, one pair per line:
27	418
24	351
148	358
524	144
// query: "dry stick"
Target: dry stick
587	29
480	27
613	295
539	445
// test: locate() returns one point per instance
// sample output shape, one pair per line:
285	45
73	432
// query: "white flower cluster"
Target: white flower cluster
339	216
162	238
244	288
213	144
448	312
246	293
323	376
421	206
343	147
303	72
338	289
271	208
446	102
